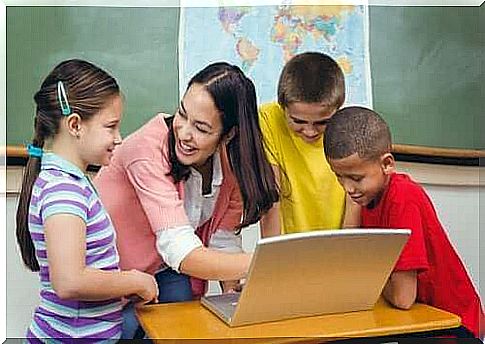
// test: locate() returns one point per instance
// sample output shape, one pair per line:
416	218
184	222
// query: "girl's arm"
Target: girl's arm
401	289
270	222
352	213
65	237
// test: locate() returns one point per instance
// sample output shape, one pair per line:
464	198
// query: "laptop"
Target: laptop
313	273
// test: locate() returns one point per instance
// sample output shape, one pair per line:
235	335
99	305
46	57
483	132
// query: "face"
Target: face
197	127
100	134
364	180
308	120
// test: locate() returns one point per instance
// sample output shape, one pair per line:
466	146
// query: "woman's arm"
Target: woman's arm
210	264
270	222
183	251
65	237
352	213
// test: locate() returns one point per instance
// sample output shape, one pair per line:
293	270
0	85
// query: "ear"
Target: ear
388	164
74	124
229	136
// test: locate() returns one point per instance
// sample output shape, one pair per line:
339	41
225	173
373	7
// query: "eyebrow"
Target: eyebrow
196	121
321	122
113	121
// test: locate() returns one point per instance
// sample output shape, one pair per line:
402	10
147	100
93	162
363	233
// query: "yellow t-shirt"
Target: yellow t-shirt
311	198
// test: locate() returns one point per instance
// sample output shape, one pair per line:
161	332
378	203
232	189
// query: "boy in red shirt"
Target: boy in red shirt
357	143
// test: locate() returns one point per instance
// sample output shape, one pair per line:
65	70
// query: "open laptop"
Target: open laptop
319	272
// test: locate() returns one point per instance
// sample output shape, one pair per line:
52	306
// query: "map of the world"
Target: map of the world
260	39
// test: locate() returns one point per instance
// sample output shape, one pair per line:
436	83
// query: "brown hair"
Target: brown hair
235	97
88	89
312	77
356	130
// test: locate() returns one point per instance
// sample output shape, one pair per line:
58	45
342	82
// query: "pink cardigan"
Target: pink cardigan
142	199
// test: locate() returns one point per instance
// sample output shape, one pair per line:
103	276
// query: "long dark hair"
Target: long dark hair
88	89
235	97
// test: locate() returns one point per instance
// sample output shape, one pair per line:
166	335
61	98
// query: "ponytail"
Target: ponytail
24	239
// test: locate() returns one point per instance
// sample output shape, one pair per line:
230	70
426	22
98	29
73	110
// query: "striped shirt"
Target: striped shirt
62	188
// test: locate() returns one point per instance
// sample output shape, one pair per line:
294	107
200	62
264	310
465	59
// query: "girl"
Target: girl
63	229
174	187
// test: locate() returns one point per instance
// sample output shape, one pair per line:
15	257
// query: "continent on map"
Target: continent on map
293	23
229	17
247	51
345	63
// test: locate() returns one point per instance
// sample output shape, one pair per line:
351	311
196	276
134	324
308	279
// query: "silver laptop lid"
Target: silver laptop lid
318	272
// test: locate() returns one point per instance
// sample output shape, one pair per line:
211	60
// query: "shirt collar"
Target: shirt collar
217	173
51	161
216	170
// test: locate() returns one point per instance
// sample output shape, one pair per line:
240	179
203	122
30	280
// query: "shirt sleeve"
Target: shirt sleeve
413	255
268	139
174	244
64	198
157	194
226	241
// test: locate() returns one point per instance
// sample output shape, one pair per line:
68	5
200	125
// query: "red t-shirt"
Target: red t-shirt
443	280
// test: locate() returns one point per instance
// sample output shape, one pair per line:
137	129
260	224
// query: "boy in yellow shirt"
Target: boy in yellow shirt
311	89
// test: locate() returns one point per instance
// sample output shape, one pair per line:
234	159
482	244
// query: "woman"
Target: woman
174	187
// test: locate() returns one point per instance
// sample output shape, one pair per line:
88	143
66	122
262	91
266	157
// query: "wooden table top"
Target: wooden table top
190	322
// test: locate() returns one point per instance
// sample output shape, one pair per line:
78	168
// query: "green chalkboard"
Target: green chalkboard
426	65
138	46
428	71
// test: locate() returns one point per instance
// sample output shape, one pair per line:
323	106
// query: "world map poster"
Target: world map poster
261	39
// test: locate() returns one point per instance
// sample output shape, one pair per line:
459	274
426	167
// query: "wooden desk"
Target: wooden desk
190	322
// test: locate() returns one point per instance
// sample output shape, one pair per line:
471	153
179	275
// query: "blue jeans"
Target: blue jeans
172	287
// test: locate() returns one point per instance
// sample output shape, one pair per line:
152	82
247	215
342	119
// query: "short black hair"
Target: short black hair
358	130
312	77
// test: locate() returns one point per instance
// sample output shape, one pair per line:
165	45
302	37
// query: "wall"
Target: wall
457	205
425	65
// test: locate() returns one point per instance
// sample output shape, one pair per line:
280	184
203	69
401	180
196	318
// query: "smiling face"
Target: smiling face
308	120
363	179
197	127
100	134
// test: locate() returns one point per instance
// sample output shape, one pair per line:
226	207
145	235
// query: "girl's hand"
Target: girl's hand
148	288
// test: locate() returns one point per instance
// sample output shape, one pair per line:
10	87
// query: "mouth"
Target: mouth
311	138
356	198
185	149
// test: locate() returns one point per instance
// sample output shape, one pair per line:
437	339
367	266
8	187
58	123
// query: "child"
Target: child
311	88
358	147
63	229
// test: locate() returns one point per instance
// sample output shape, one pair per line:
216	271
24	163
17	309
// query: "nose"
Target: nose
310	131
118	139
184	132
349	187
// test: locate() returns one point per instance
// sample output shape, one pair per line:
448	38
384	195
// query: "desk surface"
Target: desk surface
192	323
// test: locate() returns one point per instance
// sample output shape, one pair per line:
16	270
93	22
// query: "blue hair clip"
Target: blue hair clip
62	97
34	151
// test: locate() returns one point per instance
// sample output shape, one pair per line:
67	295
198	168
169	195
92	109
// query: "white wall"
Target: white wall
457	206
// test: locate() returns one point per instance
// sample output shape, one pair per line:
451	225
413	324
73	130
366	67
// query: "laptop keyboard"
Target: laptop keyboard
225	302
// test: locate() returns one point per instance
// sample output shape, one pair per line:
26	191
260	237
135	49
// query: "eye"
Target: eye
356	178
321	123
112	126
202	129
181	114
